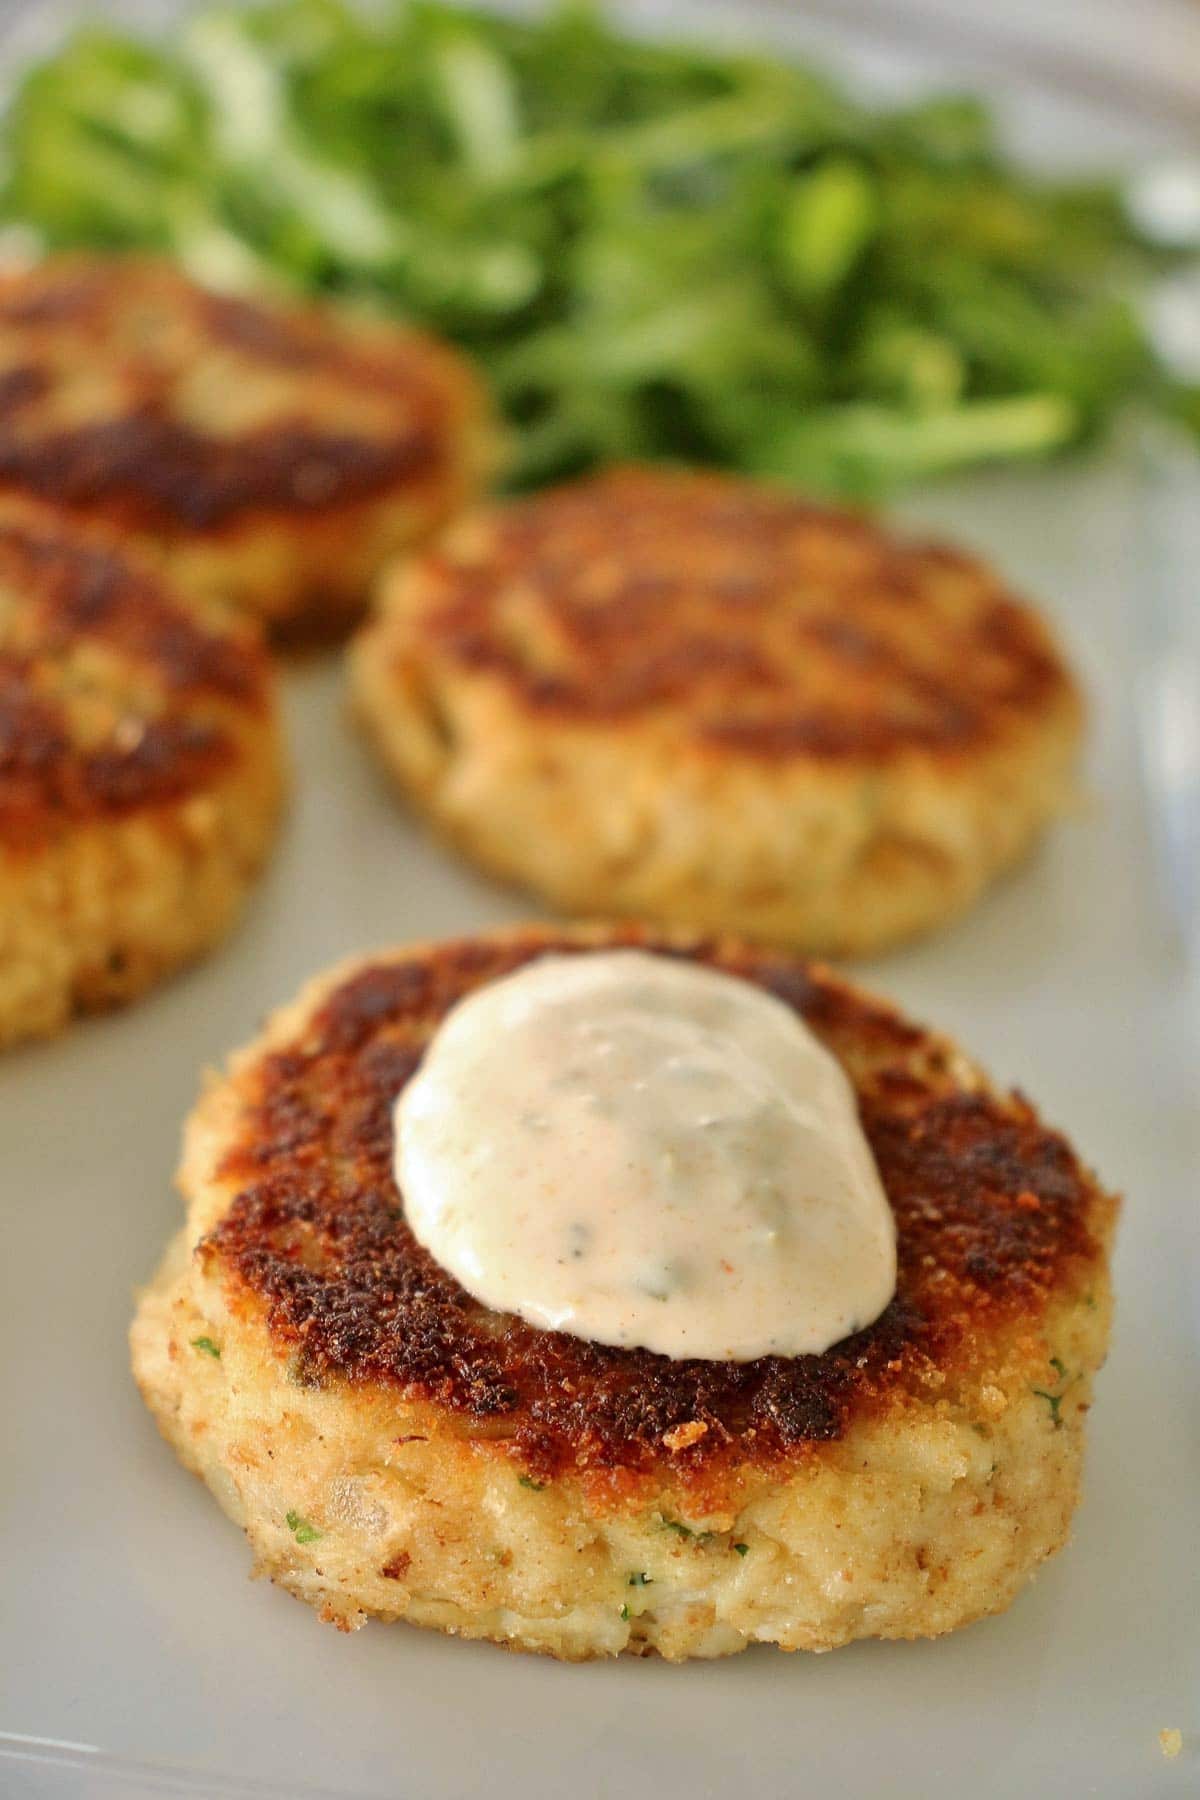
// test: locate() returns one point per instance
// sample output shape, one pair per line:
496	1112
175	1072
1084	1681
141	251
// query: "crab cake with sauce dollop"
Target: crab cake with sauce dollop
393	1448
141	772
276	454
689	698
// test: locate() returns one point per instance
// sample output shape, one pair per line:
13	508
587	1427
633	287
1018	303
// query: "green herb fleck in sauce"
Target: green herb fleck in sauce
527	1481
206	1347
640	1579
742	1549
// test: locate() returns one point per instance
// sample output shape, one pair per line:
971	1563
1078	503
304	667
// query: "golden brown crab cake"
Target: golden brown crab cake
276	454
689	698
141	772
393	1448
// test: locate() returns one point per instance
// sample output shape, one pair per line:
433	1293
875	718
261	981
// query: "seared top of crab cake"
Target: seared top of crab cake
115	698
129	390
286	447
712	609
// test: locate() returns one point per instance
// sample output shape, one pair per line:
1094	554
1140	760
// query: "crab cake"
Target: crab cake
275	454
140	772
392	1448
691	699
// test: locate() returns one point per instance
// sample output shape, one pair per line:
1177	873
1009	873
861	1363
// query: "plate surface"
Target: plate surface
138	1660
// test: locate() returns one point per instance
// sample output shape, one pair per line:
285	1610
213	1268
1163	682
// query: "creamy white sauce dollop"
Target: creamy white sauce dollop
641	1150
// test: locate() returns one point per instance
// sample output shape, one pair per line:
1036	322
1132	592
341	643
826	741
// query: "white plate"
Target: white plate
138	1660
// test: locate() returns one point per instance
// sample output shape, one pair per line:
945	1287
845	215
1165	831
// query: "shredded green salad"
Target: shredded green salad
655	250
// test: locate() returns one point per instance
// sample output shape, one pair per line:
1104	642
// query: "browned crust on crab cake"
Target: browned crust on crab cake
358	1389
277	453
140	772
691	698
